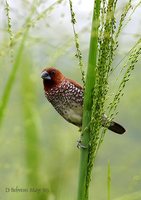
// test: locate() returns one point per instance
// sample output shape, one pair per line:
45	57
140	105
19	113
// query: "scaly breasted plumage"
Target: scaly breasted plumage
66	96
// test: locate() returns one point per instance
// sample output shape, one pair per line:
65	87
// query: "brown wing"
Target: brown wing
75	83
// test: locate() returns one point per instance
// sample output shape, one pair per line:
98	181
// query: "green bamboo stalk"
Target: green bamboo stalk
90	81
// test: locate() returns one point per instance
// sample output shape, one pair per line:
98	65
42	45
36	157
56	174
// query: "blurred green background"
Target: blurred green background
37	147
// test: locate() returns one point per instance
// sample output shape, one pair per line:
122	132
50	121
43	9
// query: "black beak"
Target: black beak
45	75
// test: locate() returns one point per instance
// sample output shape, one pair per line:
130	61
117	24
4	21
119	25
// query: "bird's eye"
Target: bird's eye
52	73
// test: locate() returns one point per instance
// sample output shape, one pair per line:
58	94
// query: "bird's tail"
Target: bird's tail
117	128
113	126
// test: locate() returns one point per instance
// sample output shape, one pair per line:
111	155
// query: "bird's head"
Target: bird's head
51	77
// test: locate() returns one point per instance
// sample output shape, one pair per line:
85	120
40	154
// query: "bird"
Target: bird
66	96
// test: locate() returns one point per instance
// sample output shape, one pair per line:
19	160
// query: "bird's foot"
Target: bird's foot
80	145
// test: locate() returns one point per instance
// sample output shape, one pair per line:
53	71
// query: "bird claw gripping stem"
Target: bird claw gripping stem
80	145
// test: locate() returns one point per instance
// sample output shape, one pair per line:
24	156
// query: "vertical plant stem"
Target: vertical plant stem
109	182
77	45
11	79
31	132
90	81
16	65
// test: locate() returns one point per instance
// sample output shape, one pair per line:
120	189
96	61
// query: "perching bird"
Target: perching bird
66	96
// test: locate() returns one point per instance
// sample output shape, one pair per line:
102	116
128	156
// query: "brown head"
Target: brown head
51	78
